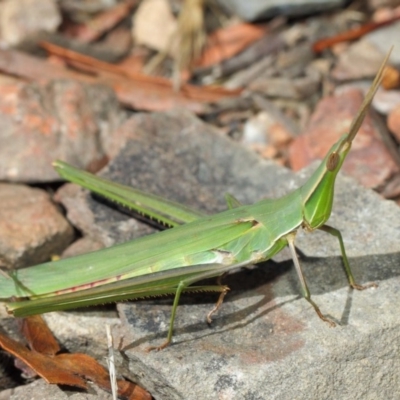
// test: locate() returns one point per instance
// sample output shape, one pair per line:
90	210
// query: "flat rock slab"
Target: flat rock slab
265	341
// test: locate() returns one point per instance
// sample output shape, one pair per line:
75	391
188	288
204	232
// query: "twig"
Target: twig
111	363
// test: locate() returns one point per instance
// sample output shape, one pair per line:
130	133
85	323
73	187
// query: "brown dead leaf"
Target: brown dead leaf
47	367
226	42
39	336
63	369
352	34
101	23
134	90
135	62
90	369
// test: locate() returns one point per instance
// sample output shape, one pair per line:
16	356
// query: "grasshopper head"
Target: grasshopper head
317	192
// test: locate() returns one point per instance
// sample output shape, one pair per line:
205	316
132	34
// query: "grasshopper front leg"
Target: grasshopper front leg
335	232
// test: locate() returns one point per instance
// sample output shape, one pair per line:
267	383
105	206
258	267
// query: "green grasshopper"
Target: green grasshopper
209	246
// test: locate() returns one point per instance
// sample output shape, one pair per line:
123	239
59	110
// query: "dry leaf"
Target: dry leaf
63	369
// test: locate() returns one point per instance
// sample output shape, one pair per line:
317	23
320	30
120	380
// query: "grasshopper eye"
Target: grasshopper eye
332	161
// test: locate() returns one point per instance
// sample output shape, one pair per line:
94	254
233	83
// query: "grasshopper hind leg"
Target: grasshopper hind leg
183	286
178	293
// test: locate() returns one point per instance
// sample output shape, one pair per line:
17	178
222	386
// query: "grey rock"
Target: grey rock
386	38
361	59
60	120
75	7
32	229
252	10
